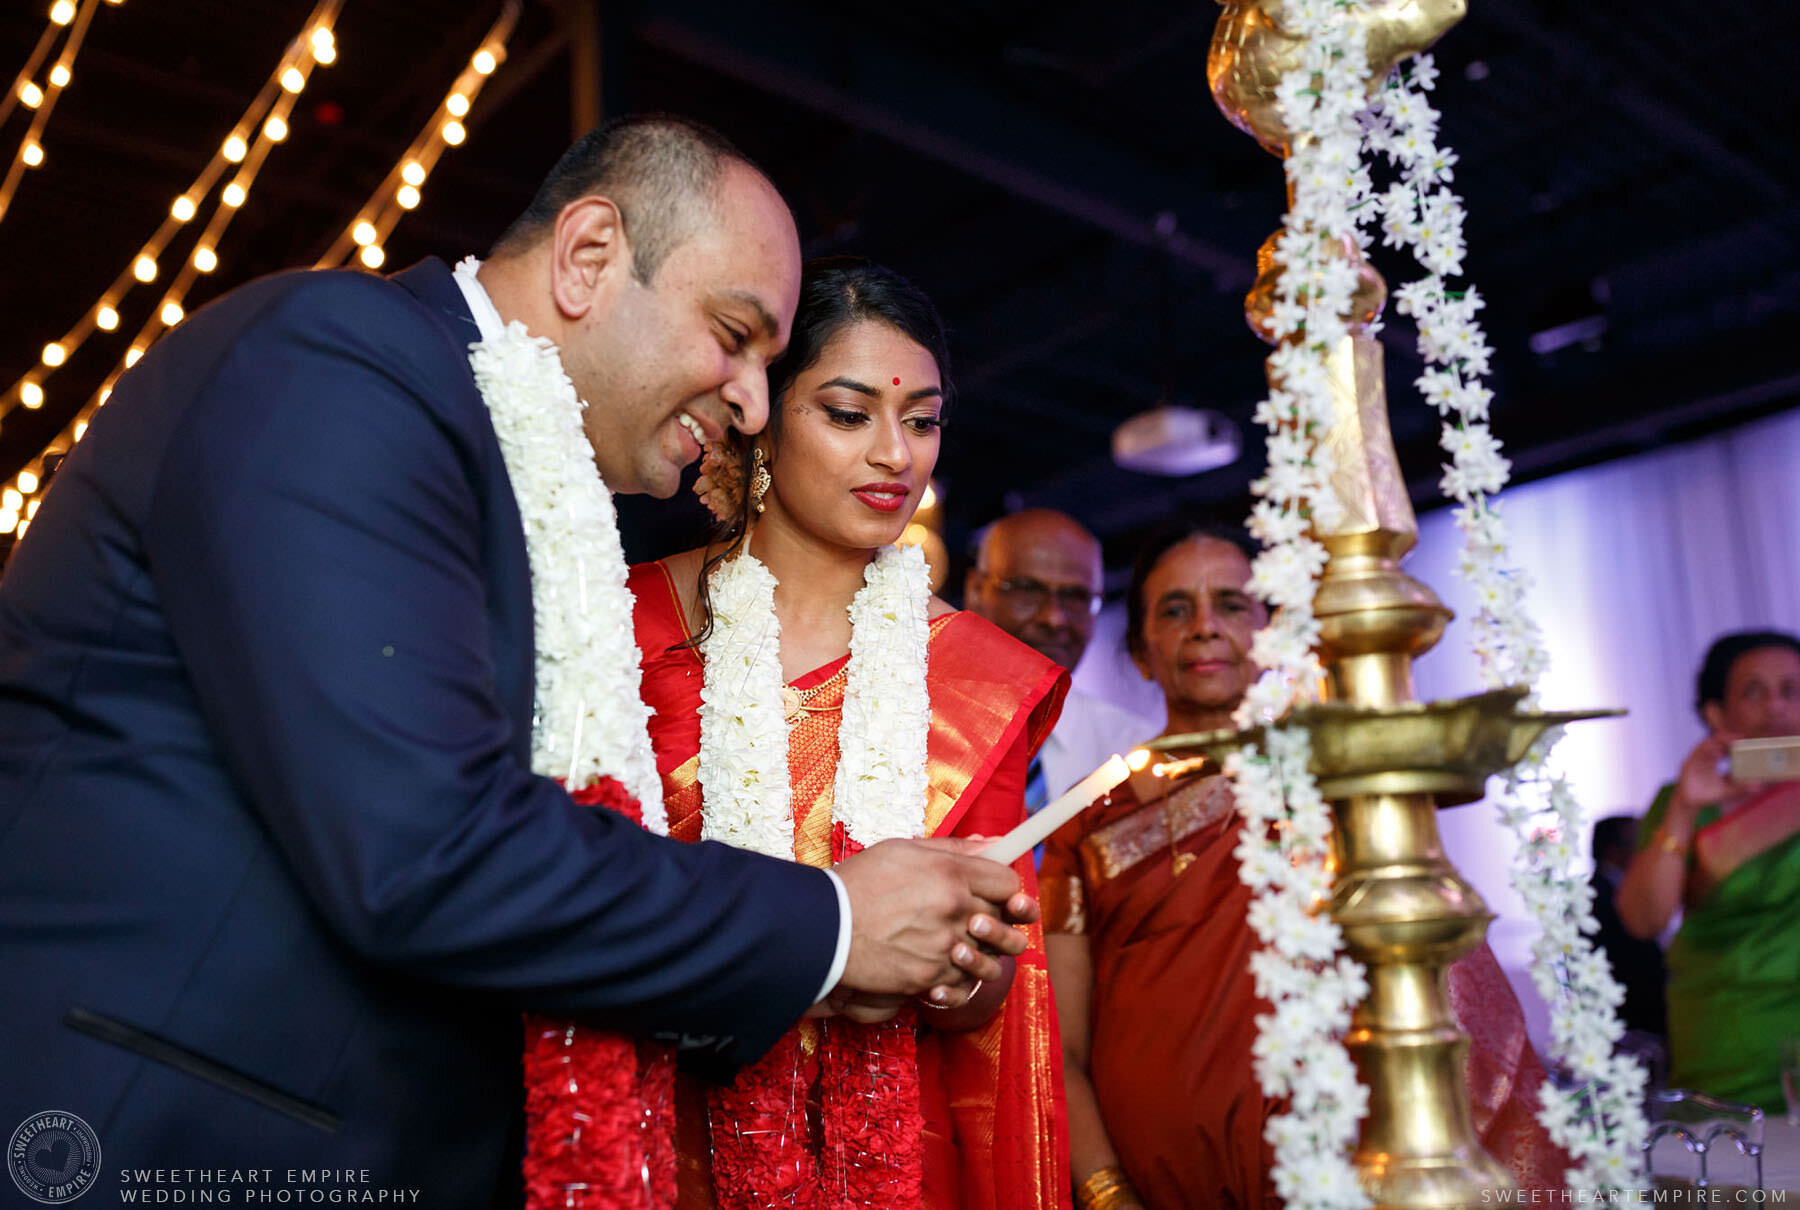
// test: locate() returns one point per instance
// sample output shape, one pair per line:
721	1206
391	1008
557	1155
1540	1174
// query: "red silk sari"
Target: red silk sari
995	1133
1174	1006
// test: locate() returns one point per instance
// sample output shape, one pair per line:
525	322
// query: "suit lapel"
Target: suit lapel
503	540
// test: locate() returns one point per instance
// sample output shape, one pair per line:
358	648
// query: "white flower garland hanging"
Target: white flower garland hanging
589	718
882	777
1310	984
1601	1121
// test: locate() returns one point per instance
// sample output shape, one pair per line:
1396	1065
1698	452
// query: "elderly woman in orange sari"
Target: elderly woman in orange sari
1149	943
812	697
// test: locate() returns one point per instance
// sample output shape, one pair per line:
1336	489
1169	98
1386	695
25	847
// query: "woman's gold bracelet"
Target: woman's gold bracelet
1106	1189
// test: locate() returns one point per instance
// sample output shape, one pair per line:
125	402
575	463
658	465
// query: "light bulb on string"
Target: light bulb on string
457	104
32	154
28	482
62	12
235	149
31	395
105	394
293	80
407	196
364	233
30	95
11	500
59	75
182	208
205	259
80	429
54	354
275	129
484	62
144	269
413	173
106	319
132	354
373	256
171	313
324	46
9	520
31	507
454	133
23	526
232	195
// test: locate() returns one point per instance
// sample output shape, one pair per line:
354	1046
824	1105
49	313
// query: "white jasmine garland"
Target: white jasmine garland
1301	970
589	718
1600	1122
882	778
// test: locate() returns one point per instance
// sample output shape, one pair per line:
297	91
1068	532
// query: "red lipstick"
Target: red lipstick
882	497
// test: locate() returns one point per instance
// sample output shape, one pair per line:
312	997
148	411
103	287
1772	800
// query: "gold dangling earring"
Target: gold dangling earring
759	481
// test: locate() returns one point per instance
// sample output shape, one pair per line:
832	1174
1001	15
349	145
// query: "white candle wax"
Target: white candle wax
1024	838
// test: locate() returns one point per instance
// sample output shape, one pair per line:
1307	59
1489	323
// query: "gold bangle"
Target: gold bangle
1667	843
1105	1189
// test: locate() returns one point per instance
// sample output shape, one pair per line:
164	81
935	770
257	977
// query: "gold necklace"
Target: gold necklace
1178	862
794	702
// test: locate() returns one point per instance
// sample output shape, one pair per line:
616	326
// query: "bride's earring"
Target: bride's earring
759	481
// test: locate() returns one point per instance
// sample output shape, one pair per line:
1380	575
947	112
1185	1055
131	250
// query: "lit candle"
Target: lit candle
1026	837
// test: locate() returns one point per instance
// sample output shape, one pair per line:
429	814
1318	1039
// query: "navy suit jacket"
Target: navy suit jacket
275	878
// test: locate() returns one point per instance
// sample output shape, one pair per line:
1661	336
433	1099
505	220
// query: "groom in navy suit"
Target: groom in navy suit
276	881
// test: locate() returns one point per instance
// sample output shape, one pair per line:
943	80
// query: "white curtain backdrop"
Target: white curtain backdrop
1637	565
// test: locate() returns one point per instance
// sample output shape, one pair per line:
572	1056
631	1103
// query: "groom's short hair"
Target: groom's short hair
661	171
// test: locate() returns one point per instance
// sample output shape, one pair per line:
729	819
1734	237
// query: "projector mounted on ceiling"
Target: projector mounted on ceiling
1174	441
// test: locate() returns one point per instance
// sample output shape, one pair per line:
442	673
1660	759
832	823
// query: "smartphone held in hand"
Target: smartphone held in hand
1774	759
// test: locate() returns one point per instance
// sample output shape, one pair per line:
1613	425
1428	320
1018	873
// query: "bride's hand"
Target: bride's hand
864	1008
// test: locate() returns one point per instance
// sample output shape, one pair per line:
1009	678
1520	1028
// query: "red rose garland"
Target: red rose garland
599	1106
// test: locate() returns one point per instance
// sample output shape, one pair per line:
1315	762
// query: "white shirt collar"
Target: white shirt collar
487	316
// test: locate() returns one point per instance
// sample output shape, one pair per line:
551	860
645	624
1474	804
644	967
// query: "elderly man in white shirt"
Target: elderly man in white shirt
1038	576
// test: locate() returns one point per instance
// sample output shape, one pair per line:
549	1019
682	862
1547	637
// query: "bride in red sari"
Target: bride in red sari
811	697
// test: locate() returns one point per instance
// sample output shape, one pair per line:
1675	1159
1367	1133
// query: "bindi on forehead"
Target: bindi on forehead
896	382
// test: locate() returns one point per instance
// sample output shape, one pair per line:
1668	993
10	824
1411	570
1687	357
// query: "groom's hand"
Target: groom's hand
927	913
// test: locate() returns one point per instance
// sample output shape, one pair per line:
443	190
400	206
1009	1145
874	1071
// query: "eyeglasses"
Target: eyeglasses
1025	596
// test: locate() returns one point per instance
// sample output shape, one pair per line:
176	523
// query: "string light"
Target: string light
31	510
9	520
364	238
11	500
182	208
66	17
54	354
31	395
269	115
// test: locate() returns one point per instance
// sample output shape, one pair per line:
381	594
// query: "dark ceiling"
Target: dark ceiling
1046	171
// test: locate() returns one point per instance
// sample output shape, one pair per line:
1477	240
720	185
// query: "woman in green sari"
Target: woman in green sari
1728	854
